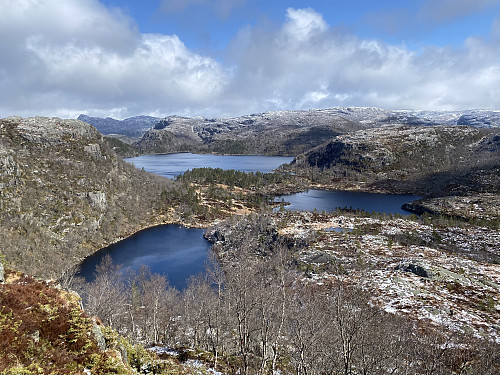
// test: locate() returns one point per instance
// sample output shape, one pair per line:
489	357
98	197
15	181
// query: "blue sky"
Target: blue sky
203	25
121	58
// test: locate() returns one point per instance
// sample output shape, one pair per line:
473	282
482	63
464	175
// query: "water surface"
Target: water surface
172	250
322	200
171	165
180	252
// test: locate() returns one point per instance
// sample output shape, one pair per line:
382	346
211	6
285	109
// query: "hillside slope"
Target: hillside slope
43	330
64	193
271	133
133	127
437	160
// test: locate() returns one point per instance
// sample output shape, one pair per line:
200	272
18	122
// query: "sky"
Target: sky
218	58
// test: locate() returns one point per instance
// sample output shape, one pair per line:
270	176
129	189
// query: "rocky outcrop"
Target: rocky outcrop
447	274
374	117
364	116
483	206
276	133
416	269
65	193
442	160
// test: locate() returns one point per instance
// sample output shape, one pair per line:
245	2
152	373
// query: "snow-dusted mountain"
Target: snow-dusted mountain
372	116
364	116
277	132
131	127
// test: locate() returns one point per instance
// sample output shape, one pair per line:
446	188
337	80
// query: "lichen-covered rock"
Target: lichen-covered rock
94	150
99	336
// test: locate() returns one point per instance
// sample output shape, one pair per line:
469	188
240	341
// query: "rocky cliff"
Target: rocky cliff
423	160
272	133
64	193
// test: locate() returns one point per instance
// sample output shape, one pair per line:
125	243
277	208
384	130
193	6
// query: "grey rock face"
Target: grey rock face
278	133
94	150
65	193
99	336
52	131
421	159
96	199
2	273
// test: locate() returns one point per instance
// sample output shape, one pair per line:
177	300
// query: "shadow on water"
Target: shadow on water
323	200
171	250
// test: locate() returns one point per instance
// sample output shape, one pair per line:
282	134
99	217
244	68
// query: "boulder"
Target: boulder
415	269
99	336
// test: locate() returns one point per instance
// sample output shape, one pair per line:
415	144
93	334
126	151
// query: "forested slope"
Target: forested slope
64	193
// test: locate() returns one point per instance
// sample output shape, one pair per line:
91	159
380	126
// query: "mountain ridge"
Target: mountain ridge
272	133
439	160
472	117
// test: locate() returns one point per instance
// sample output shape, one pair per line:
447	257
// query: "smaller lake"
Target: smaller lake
172	250
323	200
171	165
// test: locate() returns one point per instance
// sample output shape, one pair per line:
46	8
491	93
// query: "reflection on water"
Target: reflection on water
322	200
172	250
171	165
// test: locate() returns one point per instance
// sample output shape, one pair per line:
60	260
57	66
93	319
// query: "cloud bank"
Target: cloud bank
71	57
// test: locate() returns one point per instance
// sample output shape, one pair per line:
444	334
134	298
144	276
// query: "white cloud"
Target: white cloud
303	24
77	56
320	67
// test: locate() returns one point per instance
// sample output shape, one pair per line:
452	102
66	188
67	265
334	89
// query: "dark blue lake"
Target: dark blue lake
171	165
322	200
175	251
180	252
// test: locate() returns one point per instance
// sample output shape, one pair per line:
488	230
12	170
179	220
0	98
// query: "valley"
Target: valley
431	282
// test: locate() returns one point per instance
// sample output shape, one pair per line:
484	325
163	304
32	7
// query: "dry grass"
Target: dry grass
43	332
